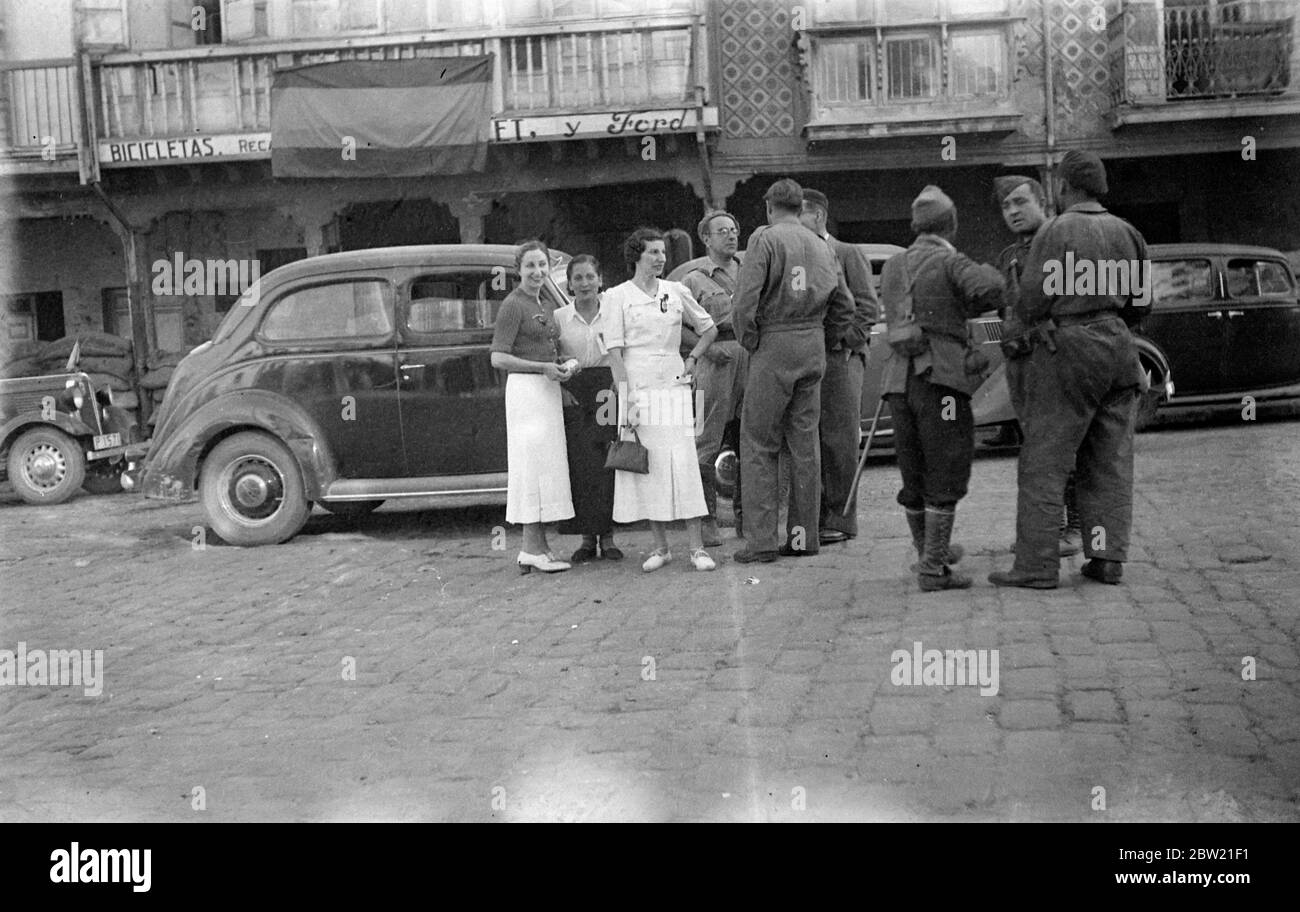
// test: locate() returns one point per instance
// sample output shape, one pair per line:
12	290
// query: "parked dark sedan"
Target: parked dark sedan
344	380
1227	319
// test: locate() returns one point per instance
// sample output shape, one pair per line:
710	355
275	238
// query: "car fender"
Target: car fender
1148	348
69	424
174	462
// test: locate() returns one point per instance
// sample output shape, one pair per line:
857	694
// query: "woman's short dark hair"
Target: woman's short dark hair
530	245
635	245
945	223
578	261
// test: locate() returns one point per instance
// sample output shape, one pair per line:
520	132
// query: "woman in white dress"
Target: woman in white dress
525	343
643	338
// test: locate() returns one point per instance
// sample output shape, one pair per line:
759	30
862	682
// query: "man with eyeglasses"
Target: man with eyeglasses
720	374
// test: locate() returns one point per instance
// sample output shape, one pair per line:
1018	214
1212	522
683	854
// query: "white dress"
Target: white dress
649	330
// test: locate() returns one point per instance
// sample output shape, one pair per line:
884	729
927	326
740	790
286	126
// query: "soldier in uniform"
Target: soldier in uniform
929	374
1023	207
846	365
790	300
1078	377
720	375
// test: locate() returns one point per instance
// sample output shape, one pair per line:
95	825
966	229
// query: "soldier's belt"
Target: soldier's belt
1078	319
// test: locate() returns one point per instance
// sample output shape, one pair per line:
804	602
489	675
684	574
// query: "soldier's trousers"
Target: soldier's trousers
782	404
934	442
839	430
1076	408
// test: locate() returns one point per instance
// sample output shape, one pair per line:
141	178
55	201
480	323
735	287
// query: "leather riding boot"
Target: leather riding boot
916	522
709	526
933	573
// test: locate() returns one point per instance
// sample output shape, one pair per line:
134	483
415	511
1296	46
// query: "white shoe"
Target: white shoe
701	560
657	559
543	562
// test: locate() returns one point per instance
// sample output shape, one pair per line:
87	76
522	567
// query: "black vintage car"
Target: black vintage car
59	433
1227	319
344	380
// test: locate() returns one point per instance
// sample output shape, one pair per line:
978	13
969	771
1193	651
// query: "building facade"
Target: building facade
137	133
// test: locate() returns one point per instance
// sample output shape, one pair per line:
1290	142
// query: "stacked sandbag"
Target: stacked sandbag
159	367
22	359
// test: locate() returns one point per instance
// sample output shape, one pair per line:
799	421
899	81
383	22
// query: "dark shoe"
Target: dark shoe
1022	580
583	555
947	580
787	550
932	571
749	556
1103	571
610	552
832	536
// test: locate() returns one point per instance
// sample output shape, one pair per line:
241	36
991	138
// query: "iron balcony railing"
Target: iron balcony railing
1213	49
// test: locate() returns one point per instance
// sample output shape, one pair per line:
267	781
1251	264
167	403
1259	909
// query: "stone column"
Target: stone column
470	211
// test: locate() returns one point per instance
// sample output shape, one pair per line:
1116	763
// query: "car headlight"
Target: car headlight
78	395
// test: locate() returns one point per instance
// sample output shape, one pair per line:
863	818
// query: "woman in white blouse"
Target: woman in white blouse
645	317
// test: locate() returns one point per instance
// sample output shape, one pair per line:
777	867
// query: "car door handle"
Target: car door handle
1217	314
1236	313
411	367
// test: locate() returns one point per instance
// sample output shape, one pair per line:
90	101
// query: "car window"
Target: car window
457	301
1181	281
351	309
1249	278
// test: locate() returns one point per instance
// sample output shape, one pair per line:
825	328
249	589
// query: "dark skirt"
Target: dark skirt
588	428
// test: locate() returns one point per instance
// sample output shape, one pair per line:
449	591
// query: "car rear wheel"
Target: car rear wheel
725	468
252	490
46	466
351	507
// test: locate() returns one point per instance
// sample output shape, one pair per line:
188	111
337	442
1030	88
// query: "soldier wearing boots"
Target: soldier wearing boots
1078	377
930	371
720	375
1023	207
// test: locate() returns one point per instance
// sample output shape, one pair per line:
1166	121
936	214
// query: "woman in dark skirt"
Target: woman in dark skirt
590	414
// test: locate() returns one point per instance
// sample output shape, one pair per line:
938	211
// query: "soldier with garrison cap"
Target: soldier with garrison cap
1077	377
1024	209
931	369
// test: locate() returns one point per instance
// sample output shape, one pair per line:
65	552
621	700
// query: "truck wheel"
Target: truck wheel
252	490
46	466
1149	402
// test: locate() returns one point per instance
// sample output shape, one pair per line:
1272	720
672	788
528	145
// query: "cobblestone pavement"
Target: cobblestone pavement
758	692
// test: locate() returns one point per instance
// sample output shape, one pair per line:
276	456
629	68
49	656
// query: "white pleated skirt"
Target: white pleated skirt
672	490
538	464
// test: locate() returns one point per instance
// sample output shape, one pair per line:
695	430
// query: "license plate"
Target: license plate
106	441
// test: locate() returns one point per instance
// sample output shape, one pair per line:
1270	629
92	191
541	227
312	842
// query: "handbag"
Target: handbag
906	337
628	455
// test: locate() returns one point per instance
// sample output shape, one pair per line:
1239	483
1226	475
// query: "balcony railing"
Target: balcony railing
41	108
601	68
1222	49
227	90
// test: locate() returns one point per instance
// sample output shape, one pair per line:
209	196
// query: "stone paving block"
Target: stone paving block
1028	714
1093	706
896	717
1121	631
1029	683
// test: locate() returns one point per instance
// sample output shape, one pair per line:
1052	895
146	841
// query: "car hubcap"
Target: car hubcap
253	488
45	466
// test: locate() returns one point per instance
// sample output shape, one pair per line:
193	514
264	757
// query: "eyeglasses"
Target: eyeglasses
725	231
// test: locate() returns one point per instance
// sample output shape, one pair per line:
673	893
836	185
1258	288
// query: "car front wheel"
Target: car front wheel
46	466
1149	402
252	490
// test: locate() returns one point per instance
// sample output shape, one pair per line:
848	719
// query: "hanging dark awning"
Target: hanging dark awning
381	118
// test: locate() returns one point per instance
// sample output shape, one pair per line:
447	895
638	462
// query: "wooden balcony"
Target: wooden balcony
40	116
